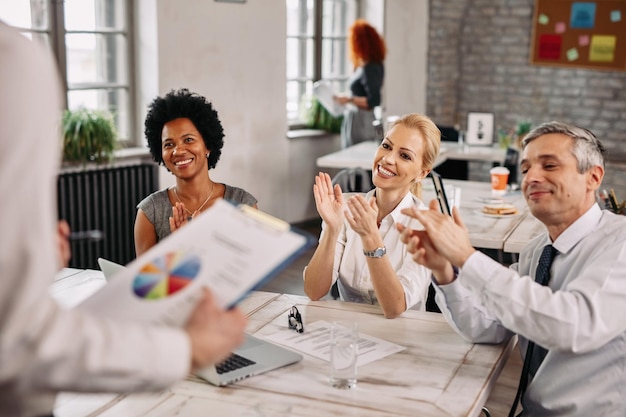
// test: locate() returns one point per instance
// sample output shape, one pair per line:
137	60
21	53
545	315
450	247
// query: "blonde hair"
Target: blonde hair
432	142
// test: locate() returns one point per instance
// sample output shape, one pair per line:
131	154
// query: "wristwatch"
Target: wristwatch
376	253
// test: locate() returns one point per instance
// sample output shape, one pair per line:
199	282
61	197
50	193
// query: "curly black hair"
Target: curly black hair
184	104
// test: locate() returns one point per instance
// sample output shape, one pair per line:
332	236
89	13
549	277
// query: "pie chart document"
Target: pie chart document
230	249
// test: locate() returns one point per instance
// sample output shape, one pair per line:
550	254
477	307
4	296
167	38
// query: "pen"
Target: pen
91	235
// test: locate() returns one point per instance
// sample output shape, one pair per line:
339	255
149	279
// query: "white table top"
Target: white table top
438	374
361	155
489	232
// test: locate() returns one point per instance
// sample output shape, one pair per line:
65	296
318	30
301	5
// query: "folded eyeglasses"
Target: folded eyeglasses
294	320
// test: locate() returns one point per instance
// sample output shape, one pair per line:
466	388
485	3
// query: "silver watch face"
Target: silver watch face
377	253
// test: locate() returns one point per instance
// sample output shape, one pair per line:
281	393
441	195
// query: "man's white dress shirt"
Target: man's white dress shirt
580	317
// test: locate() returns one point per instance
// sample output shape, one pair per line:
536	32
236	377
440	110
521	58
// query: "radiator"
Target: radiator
104	200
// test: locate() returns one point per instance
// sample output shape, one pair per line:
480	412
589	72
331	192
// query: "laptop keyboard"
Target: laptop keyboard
233	362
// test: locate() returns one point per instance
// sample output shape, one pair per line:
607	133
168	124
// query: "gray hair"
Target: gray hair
587	149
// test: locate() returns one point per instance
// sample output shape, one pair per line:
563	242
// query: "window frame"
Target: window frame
55	35
318	39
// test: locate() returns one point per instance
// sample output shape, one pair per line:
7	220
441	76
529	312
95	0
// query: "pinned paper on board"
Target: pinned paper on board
543	19
616	16
559	27
583	40
572	54
583	15
550	47
602	48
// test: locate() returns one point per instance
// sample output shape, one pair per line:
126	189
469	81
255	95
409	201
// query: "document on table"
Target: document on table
324	93
229	249
315	341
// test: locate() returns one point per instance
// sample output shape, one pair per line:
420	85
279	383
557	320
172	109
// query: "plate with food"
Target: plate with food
499	209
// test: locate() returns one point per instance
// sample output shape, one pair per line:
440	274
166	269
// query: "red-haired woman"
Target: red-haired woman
367	53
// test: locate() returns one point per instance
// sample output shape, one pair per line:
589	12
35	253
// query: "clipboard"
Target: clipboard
230	249
324	93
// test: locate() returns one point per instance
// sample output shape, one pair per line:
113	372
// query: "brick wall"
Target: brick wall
479	61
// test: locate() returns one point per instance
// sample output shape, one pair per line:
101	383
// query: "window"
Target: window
91	41
316	49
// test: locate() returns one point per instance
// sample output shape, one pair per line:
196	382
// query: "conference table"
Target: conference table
361	155
436	374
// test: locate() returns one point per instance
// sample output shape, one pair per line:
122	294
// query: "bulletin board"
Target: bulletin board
581	34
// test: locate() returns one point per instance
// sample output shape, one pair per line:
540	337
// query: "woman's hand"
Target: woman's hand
363	218
178	218
328	200
342	99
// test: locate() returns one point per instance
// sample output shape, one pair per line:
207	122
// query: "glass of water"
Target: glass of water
343	354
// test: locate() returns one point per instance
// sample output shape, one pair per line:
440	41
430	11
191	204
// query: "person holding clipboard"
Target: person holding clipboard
45	349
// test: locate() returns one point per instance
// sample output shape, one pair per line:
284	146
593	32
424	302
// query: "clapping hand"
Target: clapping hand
178	218
328	200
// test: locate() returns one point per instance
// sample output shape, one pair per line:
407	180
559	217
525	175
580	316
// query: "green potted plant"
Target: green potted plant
88	136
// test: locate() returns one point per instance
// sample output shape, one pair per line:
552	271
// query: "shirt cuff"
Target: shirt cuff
172	348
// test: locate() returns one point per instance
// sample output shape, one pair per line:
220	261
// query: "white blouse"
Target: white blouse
350	268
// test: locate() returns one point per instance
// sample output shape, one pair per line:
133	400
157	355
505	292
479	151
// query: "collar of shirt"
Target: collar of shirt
577	231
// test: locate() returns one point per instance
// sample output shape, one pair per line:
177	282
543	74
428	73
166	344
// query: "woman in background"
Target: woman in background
184	133
367	53
359	247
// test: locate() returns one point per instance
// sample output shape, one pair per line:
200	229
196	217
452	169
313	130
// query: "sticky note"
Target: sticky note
543	19
583	15
583	40
616	16
559	27
602	48
572	54
550	46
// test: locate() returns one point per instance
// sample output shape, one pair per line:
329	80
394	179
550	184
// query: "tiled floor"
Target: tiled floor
289	281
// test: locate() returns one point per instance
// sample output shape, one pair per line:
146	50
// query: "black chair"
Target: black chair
453	169
351	180
511	161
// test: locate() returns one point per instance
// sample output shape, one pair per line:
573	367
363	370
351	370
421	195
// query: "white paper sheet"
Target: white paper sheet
228	249
315	341
324	93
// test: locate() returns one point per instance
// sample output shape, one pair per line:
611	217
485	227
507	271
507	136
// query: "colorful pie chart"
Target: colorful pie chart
166	275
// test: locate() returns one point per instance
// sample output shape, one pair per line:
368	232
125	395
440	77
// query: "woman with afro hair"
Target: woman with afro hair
184	133
367	53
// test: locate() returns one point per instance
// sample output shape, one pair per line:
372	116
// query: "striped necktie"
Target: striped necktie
535	354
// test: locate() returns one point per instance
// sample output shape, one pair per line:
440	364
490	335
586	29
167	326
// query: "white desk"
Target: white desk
361	155
438	374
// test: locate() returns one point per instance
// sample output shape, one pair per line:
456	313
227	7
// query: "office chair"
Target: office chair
511	161
458	170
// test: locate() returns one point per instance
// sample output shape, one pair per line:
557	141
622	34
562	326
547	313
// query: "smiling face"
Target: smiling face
556	193
183	150
398	159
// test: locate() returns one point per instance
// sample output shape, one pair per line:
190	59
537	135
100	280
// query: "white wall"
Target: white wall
234	54
406	34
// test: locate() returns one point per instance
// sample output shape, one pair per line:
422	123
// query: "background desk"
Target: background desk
438	374
490	232
361	155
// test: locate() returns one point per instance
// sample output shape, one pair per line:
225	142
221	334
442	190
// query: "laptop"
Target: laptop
109	268
255	356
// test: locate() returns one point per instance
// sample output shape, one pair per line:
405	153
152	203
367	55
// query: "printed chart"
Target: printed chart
166	275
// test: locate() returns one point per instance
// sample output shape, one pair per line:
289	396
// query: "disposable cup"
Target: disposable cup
499	180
